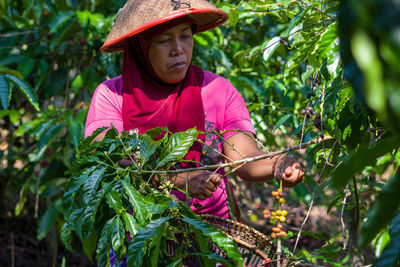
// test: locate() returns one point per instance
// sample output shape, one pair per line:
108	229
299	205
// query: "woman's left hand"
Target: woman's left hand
288	169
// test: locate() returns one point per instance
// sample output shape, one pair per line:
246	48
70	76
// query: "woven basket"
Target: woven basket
253	245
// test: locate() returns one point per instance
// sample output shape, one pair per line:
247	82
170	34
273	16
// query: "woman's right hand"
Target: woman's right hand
202	184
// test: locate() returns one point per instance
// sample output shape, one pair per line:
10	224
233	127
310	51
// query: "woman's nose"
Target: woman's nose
177	48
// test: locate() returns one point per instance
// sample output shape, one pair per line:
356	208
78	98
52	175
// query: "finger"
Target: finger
216	179
288	171
211	186
207	193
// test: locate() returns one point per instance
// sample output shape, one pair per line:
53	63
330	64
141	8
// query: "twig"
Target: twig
278	9
12	250
341	218
313	199
314	85
15	34
37	197
279	253
238	162
319	10
285	37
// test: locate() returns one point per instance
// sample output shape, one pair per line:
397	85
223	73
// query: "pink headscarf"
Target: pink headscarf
148	102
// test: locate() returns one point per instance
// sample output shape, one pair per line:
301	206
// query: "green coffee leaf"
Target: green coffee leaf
90	211
138	246
147	148
66	236
92	183
115	202
131	224
138	205
104	245
178	146
271	46
118	234
218	237
89	244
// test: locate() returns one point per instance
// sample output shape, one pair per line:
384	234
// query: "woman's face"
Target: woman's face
170	53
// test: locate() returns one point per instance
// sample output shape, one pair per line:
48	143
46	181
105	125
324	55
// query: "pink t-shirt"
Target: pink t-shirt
224	110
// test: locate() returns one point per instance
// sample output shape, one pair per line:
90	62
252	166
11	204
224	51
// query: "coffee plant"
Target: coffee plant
323	70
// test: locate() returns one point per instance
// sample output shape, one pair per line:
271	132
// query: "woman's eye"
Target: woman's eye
163	41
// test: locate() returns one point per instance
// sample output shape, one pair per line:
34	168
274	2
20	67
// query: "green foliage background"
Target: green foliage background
275	53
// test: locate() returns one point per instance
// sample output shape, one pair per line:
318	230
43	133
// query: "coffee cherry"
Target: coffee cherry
274	193
273	235
280	194
311	110
282	200
276	229
279	190
318	122
282	233
284	212
279	226
303	112
282	219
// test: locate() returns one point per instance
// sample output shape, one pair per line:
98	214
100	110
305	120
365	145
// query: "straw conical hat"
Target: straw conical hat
139	15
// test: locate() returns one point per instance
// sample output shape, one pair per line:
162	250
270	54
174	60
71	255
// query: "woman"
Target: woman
160	87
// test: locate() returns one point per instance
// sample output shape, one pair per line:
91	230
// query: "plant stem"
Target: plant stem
246	160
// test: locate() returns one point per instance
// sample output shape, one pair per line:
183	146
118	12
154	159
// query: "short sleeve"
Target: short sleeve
236	113
105	108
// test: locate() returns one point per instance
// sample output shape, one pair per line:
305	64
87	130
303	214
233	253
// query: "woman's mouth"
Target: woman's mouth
179	65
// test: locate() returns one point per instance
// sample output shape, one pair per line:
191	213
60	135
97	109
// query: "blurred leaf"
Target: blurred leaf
5	92
382	212
362	157
48	137
25	89
59	20
48	219
391	254
282	121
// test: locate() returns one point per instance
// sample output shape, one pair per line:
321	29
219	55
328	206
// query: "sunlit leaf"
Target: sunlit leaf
271	46
138	205
178	146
